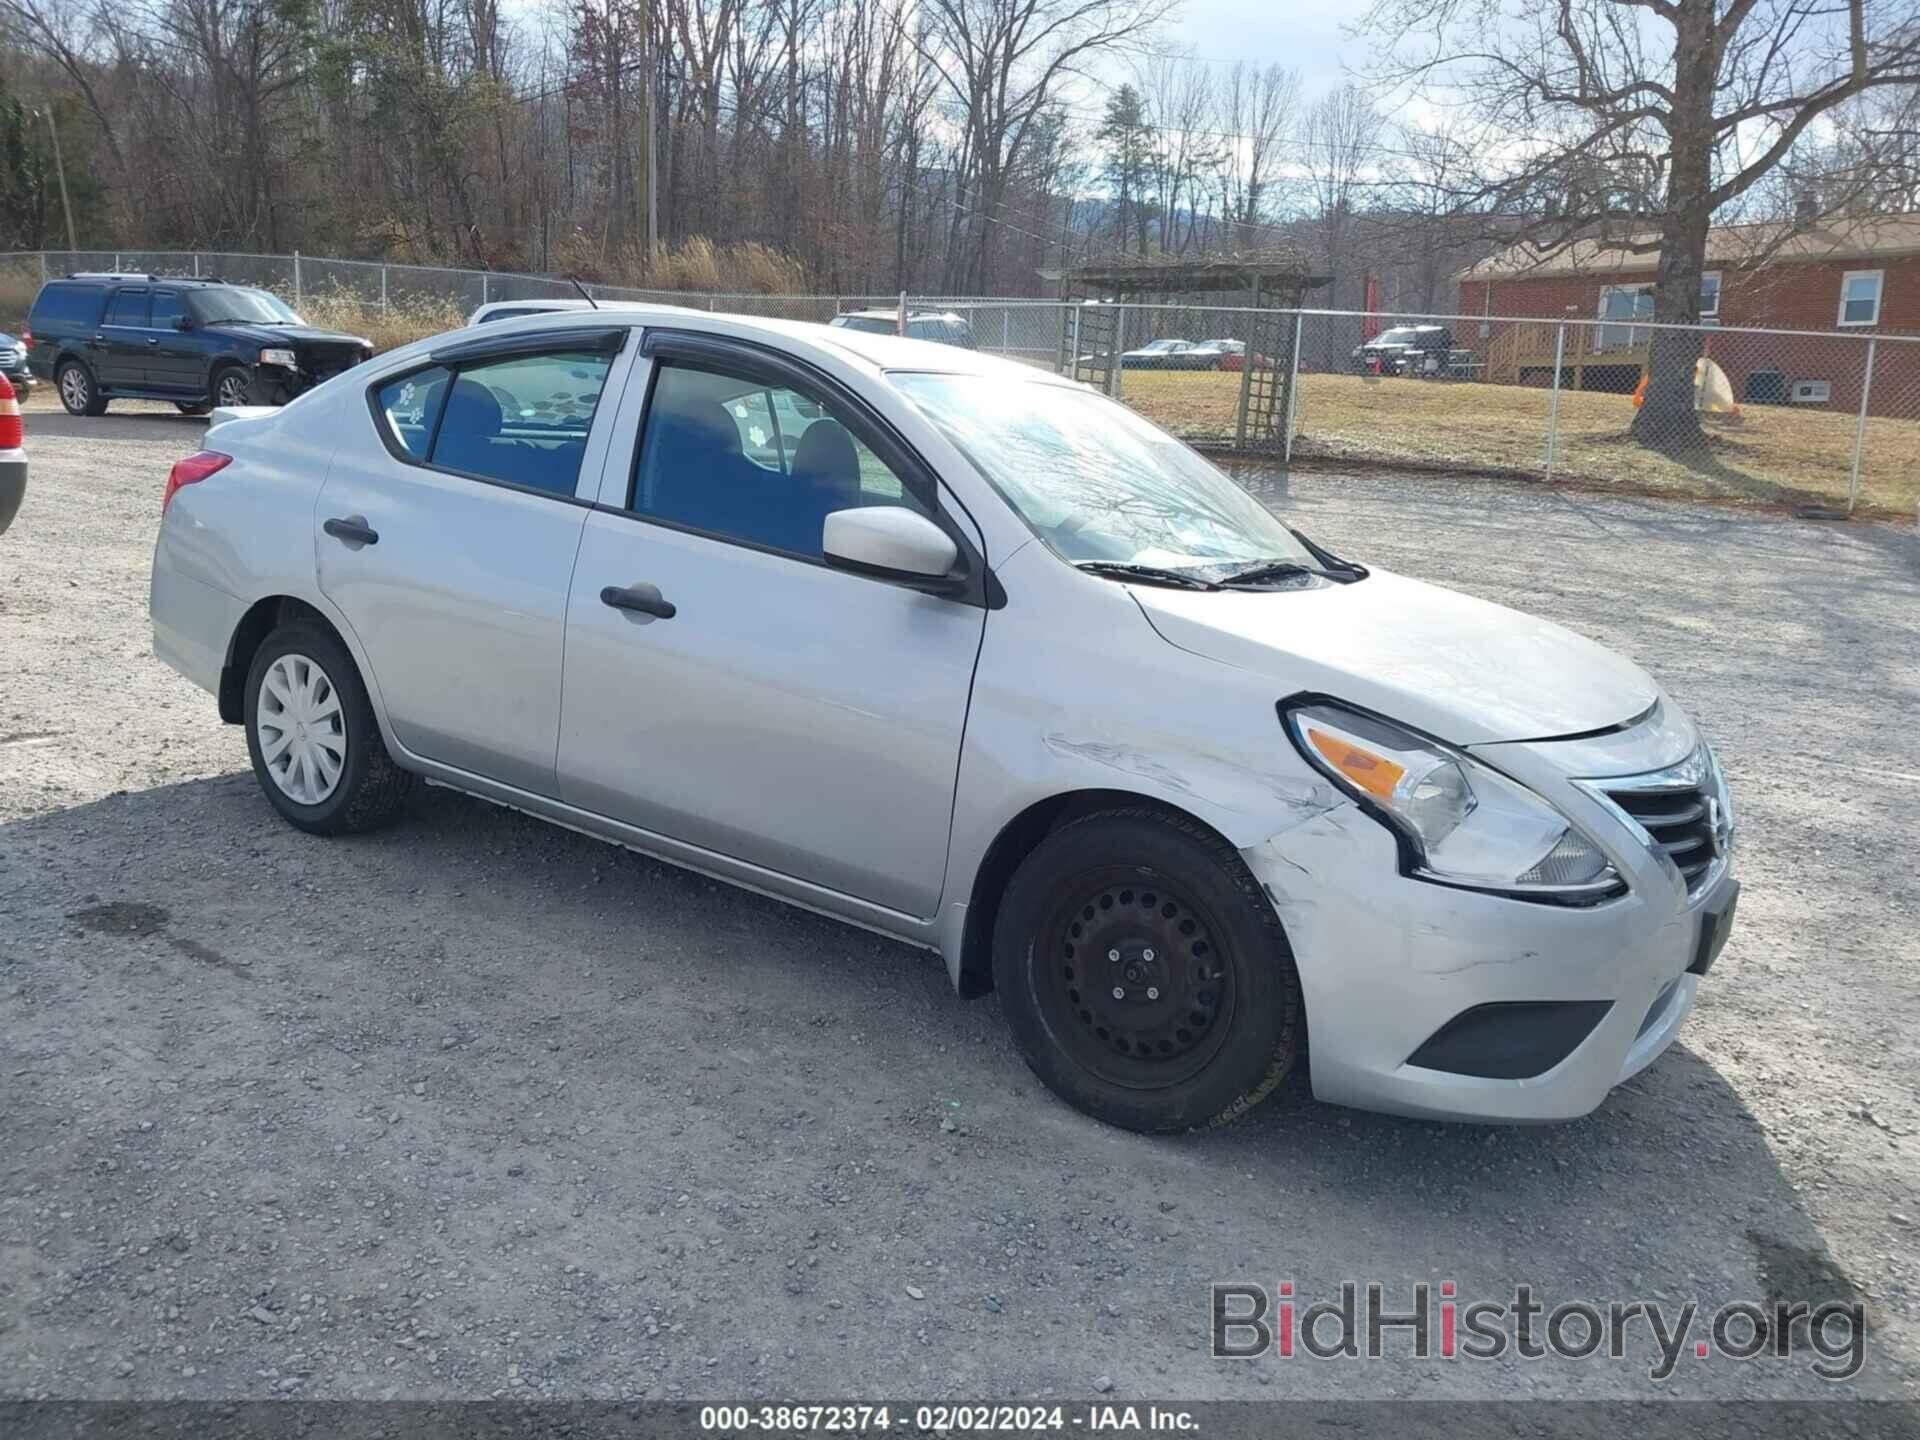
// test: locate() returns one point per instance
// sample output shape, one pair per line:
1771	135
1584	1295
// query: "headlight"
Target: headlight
1459	821
279	357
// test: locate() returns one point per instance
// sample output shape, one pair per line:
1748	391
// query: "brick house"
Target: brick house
1848	279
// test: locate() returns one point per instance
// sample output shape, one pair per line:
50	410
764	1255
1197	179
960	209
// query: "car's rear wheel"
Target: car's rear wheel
78	391
1144	974
231	386
313	738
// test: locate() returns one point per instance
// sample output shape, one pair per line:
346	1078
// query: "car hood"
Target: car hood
1465	670
285	335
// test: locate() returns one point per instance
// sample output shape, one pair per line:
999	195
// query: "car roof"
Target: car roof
878	353
202	282
895	315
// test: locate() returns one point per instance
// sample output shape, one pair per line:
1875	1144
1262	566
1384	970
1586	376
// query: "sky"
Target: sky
1301	34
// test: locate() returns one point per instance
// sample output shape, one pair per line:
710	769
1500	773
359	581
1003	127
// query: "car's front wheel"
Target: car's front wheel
78	392
1144	973
232	386
311	732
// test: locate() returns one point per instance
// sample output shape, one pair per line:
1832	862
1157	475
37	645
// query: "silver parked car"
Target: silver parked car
955	650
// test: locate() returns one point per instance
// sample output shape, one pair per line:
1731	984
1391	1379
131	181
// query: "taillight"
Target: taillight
12	432
191	471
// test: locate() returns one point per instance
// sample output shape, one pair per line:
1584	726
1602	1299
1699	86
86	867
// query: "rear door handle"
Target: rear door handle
353	530
643	597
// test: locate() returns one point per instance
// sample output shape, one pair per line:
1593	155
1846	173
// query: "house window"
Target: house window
1860	297
1623	302
1710	295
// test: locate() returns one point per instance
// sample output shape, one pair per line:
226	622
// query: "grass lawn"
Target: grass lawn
1767	454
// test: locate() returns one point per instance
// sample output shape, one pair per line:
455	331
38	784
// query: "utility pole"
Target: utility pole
60	169
646	99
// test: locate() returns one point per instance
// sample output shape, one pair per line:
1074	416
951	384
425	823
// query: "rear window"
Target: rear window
514	314
871	324
72	304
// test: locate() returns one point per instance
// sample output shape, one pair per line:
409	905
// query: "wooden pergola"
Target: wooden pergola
1257	286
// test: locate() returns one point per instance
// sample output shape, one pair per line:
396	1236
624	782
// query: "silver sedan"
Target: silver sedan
957	651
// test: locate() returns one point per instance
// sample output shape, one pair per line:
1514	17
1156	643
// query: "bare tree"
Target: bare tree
1638	120
1258	108
1002	63
1339	147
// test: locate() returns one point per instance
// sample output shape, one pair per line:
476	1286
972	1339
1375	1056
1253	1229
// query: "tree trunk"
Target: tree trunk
1666	421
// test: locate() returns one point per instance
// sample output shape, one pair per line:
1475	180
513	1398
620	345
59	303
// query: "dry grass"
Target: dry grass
696	264
400	323
19	283
1771	455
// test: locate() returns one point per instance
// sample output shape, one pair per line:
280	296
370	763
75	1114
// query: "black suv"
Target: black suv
198	343
1411	350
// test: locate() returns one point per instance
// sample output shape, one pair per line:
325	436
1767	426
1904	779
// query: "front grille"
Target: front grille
1680	820
325	359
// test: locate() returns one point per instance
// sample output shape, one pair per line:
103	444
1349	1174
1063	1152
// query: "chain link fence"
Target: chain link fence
1797	417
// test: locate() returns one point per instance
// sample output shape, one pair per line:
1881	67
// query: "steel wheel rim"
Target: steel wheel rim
233	389
73	388
1175	999
301	729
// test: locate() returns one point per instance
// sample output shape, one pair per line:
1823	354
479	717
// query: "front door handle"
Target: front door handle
353	530
153	339
643	597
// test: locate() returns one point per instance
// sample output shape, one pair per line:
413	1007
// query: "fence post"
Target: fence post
1073	360
1115	364
1553	404
483	287
383	289
1860	429
116	262
43	267
1293	389
1006	329
296	277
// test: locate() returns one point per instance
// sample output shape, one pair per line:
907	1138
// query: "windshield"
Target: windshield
250	307
1162	346
1405	335
1096	482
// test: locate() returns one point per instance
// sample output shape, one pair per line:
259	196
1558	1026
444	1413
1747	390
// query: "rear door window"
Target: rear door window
128	307
409	407
521	420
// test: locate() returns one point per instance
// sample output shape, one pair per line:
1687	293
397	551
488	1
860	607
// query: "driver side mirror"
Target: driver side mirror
183	322
892	543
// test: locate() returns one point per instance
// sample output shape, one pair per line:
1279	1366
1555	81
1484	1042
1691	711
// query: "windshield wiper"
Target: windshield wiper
1146	574
1270	570
1346	571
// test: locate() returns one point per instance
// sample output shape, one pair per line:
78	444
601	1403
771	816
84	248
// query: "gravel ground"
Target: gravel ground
480	1107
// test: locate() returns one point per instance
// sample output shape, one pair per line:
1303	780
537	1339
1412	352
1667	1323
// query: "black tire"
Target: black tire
196	407
234	378
1222	1026
370	788
79	392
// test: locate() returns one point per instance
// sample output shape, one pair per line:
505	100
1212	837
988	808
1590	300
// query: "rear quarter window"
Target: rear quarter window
67	304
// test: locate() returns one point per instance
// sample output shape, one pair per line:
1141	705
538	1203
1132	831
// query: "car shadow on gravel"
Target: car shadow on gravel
592	1084
116	424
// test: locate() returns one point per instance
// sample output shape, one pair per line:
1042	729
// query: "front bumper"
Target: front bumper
1386	962
22	379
